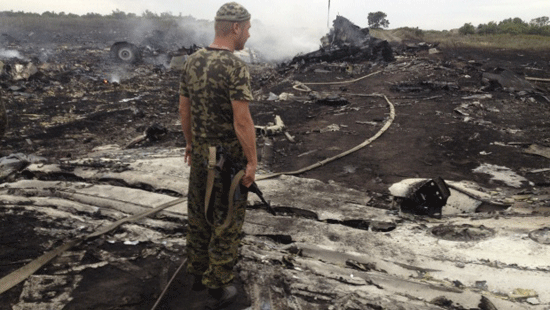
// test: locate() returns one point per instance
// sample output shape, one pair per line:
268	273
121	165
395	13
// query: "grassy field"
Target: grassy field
451	39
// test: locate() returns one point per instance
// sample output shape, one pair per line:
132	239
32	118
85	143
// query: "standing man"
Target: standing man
214	96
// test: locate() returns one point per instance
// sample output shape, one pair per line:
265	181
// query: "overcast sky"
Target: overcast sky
425	14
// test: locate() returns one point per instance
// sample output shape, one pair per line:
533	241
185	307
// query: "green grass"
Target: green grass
452	39
506	41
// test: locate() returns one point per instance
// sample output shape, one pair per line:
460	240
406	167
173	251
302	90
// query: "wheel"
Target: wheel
125	52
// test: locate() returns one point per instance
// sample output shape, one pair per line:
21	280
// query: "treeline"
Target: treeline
514	26
51	27
117	14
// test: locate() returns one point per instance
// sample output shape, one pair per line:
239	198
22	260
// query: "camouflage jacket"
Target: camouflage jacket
213	78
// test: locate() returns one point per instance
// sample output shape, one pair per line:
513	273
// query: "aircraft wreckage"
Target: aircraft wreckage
102	226
326	246
348	42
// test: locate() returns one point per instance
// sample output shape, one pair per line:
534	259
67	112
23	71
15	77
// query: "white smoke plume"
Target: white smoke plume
7	54
281	43
273	44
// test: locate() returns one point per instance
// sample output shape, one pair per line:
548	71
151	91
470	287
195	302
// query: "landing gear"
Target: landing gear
125	52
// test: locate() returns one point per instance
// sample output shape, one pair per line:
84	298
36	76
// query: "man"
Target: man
214	97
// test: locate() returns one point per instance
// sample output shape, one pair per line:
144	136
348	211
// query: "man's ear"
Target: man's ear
236	28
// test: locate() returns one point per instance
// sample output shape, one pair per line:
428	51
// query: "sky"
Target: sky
314	14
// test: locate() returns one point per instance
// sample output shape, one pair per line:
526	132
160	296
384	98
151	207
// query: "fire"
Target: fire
105	81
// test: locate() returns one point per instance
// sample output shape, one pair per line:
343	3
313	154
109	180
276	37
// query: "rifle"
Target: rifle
225	162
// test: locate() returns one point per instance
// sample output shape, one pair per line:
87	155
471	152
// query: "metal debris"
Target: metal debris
536	149
503	174
507	80
347	42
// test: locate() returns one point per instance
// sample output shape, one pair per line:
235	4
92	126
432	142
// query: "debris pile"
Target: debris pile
44	97
347	42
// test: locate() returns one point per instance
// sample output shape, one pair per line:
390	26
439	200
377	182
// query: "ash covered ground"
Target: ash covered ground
465	115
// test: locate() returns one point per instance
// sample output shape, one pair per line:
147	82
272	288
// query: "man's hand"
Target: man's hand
249	175
246	133
188	151
185	116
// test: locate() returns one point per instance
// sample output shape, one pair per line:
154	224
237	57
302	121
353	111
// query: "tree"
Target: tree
149	14
166	15
489	28
540	21
49	14
378	20
516	20
92	15
513	26
468	28
118	14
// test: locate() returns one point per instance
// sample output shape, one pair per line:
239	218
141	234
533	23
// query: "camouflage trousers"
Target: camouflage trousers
212	251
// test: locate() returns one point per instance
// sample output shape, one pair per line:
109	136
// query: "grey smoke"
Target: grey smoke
273	44
8	54
282	43
199	32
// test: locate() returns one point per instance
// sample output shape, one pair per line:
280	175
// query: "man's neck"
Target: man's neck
222	45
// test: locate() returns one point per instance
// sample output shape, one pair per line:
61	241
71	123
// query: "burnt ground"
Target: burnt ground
428	137
445	125
436	132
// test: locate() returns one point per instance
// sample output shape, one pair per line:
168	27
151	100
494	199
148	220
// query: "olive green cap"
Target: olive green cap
232	12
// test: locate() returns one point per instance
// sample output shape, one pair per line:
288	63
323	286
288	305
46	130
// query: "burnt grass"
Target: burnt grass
67	113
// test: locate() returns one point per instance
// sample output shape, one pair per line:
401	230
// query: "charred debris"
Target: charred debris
345	42
348	42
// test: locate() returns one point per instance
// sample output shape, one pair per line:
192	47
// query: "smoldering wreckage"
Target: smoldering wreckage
426	184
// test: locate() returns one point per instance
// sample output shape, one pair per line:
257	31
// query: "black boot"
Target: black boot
224	295
197	284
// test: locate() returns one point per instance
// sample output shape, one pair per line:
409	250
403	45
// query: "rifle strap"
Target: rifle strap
231	207
210	180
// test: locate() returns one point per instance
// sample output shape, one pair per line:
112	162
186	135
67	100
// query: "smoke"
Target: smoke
272	43
199	32
45	55
8	54
169	35
114	77
281	43
160	60
141	30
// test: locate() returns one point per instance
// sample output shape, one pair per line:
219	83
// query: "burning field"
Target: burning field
427	180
